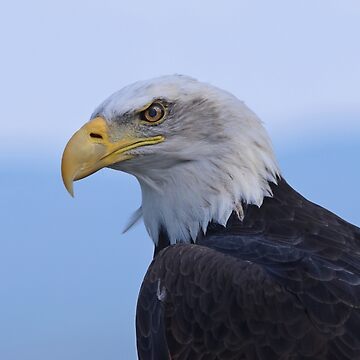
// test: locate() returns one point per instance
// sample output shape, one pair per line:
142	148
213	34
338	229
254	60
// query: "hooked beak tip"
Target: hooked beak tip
69	184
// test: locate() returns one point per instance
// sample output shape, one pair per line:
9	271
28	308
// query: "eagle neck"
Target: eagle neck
179	203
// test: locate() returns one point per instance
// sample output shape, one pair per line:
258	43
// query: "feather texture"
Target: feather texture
284	283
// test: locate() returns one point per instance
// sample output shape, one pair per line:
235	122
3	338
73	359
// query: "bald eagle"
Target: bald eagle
244	267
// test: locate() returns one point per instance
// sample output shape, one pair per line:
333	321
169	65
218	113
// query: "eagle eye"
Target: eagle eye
153	113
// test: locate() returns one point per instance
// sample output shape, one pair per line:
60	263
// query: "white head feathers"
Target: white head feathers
216	155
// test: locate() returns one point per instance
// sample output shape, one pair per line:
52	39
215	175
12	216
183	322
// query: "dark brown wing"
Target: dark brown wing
213	306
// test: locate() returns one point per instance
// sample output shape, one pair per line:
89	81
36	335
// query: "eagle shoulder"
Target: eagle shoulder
219	307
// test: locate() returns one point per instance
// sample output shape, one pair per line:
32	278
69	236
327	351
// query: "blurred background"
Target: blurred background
69	279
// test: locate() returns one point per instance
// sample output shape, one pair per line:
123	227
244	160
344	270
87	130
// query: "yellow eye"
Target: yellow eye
153	113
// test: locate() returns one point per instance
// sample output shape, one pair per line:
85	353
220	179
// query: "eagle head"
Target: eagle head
197	151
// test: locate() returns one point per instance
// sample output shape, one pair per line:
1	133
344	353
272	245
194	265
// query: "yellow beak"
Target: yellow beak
90	149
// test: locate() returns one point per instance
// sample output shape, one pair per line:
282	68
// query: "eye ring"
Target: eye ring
154	113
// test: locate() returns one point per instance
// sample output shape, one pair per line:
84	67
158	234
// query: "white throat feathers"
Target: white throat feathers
216	155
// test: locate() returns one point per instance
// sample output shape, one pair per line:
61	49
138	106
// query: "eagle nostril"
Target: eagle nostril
96	136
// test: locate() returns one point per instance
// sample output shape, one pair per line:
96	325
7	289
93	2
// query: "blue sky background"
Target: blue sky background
68	278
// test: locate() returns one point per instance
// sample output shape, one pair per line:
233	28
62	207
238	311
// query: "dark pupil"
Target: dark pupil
152	112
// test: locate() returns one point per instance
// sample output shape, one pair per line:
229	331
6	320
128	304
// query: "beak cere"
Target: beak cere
90	149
